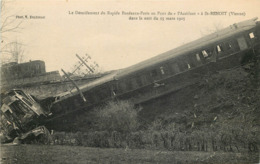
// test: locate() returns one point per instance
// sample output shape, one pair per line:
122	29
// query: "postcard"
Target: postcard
124	81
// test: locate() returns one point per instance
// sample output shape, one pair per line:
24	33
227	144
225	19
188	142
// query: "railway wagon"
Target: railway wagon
20	113
170	71
145	81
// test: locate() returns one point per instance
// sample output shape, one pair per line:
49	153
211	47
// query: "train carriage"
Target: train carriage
20	113
145	81
170	71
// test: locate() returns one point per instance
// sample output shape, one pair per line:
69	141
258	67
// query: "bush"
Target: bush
118	116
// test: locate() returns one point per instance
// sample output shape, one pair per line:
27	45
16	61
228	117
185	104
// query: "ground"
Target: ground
27	154
218	117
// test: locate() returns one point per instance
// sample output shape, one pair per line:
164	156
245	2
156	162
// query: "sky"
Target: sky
115	42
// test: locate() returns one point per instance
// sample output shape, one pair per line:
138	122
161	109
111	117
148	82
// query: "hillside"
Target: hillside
224	104
219	113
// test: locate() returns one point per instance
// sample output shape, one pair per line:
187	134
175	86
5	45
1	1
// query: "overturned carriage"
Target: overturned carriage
233	46
21	114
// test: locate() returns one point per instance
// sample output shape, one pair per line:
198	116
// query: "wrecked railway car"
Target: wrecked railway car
183	66
163	74
20	114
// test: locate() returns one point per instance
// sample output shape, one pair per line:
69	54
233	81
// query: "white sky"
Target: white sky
114	41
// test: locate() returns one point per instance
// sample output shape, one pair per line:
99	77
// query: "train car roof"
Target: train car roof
204	41
92	84
209	39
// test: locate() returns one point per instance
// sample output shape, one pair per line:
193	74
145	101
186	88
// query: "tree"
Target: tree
13	52
9	22
217	26
10	50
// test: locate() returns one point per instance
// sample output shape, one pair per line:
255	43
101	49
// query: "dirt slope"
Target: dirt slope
225	103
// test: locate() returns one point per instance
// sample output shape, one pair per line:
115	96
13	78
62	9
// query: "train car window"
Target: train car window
188	65
20	93
227	45
205	54
175	68
234	44
17	111
9	115
113	93
251	35
193	60
198	57
130	84
139	80
210	51
25	100
219	48
162	70
114	89
145	79
183	65
153	73
134	83
166	68
242	43
17	107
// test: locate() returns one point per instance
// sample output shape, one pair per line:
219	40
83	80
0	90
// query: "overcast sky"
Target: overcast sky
115	41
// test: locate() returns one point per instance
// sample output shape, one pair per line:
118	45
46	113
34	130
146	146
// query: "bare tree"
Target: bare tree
13	52
9	23
10	50
217	26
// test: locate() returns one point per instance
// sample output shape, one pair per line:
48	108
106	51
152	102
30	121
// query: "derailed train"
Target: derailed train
160	75
21	115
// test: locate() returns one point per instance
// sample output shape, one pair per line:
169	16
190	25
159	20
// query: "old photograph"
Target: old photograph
130	81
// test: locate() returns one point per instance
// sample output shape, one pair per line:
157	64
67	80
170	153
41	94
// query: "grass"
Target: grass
77	154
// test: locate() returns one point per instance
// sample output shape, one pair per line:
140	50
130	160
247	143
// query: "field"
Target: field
26	154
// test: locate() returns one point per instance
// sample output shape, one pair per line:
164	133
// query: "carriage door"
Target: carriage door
242	43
